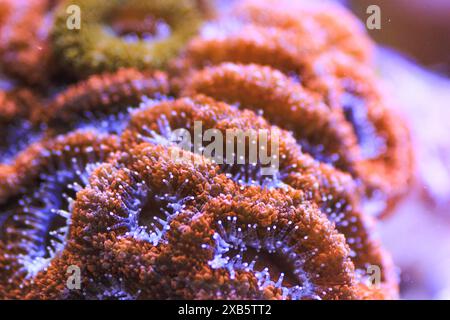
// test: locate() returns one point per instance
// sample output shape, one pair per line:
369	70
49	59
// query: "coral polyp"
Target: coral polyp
102	101
17	124
332	190
270	91
170	159
273	254
383	138
316	88
345	34
24	48
38	210
149	174
95	48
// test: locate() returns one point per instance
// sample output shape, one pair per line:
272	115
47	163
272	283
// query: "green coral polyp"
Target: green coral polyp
94	48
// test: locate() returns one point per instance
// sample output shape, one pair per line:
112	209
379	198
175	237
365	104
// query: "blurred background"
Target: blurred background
414	59
420	29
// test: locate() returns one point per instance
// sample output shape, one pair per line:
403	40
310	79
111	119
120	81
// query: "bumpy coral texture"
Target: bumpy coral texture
94	48
302	82
89	182
37	217
102	102
17	127
24	47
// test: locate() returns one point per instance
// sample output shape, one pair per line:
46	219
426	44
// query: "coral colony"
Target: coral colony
244	153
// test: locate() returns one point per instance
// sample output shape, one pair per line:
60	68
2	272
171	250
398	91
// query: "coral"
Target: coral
332	190
24	48
94	48
102	101
155	227
172	220
109	176
277	66
383	137
318	24
17	127
36	214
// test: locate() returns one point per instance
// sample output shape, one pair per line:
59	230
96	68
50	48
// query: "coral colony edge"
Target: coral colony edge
108	192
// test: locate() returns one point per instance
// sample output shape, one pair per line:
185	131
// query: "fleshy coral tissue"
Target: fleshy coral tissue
88	177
